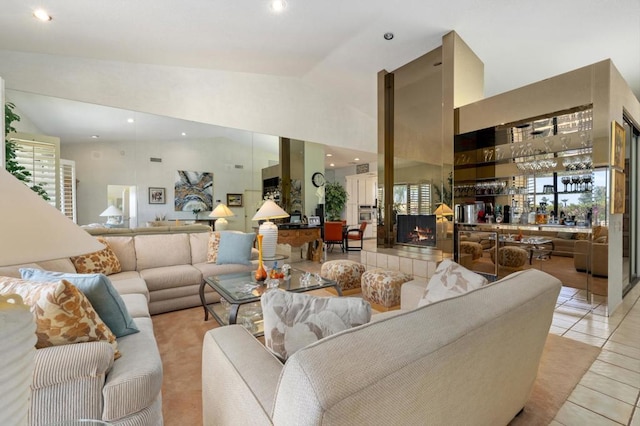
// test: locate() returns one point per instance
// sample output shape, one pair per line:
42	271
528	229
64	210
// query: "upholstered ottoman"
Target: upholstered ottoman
381	288
346	273
511	258
472	248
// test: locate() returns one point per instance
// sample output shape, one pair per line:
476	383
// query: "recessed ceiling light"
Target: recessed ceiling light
329	155
42	15
388	36
332	165
278	5
95	136
130	120
184	134
356	159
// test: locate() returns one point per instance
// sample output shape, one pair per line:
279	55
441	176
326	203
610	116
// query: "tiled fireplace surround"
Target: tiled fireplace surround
419	263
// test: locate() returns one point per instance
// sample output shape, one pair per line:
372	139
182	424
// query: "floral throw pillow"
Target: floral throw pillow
212	248
449	280
63	314
100	262
295	320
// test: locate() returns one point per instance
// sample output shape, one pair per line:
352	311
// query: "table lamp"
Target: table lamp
220	213
269	230
442	211
114	215
50	236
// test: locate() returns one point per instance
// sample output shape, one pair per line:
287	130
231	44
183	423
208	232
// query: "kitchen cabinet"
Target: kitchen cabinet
362	201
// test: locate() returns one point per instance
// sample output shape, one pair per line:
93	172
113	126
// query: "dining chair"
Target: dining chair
333	234
355	234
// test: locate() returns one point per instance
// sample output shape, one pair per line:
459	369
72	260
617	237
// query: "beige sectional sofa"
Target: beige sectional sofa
160	273
470	359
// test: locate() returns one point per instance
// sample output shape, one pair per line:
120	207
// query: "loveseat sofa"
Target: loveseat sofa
159	273
470	359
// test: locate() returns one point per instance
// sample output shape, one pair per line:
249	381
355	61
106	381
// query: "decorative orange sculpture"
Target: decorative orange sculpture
261	273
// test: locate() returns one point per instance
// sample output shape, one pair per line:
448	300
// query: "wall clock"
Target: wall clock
318	179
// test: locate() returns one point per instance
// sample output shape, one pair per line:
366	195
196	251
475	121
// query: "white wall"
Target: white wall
102	163
313	162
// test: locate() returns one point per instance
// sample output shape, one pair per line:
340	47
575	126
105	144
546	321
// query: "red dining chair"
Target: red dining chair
333	234
355	234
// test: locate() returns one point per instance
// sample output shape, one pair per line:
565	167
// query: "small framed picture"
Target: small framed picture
234	200
157	196
617	146
617	192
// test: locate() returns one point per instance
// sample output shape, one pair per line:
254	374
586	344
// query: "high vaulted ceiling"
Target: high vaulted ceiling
336	45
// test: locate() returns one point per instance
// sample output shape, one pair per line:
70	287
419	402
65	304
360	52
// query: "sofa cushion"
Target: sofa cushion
63	314
101	293
210	269
295	320
125	251
99	262
449	280
153	251
58	265
199	242
171	277
235	248
129	282
137	305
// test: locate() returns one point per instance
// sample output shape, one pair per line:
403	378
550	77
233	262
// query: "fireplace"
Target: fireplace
416	230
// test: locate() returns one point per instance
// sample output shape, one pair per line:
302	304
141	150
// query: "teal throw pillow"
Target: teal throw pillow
235	248
100	292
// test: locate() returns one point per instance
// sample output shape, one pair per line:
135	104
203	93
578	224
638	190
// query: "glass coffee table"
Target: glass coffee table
240	293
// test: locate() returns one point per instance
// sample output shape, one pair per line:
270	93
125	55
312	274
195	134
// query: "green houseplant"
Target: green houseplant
335	198
12	165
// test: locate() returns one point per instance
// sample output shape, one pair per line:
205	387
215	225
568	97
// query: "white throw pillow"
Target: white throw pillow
294	320
450	280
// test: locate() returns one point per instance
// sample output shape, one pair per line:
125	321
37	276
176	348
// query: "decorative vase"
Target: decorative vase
261	273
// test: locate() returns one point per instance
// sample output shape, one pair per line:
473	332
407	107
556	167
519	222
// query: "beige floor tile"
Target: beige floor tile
604	405
569	319
571	311
636	418
564	322
579	304
585	338
616	373
557	330
607	386
623	349
555	423
626	337
571	414
591	329
620	360
613	320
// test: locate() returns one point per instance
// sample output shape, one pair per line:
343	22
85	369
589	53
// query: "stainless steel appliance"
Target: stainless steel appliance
367	213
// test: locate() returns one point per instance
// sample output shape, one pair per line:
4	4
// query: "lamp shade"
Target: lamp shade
443	210
269	230
220	213
112	211
51	235
221	210
270	210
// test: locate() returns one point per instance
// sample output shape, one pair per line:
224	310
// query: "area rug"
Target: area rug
564	362
180	334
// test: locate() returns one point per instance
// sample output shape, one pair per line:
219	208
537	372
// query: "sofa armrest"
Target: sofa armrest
239	378
60	364
68	381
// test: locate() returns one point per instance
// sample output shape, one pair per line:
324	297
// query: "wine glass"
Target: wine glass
565	180
587	180
574	183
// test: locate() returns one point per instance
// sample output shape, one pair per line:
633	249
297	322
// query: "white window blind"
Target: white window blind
68	189
40	158
419	199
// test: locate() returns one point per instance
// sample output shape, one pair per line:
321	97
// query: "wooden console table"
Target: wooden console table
298	237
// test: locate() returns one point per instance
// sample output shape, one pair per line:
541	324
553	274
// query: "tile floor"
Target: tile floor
608	393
